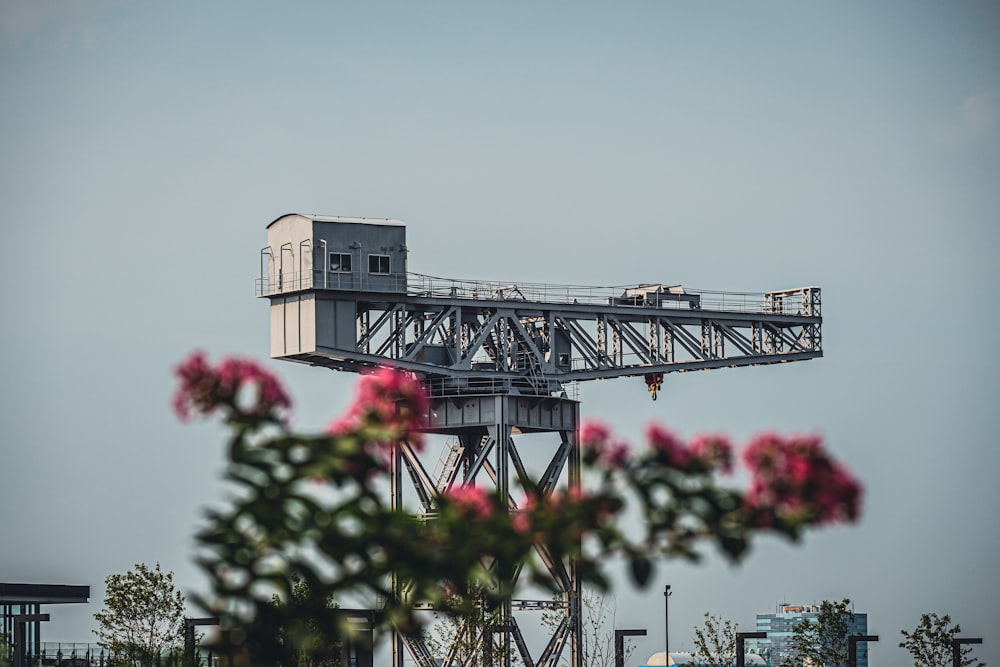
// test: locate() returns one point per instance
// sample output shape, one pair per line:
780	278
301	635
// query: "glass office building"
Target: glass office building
777	648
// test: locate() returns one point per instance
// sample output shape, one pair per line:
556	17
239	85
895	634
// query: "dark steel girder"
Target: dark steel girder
334	359
544	345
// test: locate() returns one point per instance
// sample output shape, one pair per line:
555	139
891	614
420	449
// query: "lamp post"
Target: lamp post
20	635
852	647
666	625
620	644
189	626
956	648
741	638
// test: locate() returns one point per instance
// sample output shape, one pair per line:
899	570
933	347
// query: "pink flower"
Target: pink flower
669	447
471	500
593	434
797	480
597	447
616	454
521	521
714	452
239	384
390	401
196	390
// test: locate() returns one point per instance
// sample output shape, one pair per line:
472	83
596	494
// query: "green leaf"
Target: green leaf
642	569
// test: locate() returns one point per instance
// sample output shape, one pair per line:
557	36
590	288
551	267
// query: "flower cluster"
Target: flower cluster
389	401
241	386
705	454
713	452
796	481
471	501
598	447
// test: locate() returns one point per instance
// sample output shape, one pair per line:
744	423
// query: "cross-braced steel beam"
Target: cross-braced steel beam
462	344
491	435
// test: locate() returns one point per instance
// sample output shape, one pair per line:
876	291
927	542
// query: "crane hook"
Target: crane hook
654	382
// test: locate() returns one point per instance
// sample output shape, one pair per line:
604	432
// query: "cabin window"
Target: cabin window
340	262
378	263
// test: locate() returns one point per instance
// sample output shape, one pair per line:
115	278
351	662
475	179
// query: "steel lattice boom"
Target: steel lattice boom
474	336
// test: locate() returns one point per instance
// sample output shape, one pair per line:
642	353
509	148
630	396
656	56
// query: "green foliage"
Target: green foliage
143	615
4	651
459	633
930	643
306	641
715	642
822	641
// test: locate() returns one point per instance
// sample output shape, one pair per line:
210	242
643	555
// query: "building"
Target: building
777	648
686	659
21	616
315	268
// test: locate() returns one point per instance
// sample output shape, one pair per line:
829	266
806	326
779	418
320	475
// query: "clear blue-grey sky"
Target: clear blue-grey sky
740	146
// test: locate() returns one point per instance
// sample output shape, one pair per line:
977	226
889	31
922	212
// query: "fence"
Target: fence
58	654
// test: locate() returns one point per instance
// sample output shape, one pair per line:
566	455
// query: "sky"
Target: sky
726	146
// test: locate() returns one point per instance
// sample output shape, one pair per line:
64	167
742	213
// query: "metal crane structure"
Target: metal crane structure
501	360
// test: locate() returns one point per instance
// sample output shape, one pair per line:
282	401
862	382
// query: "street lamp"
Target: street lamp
620	644
852	647
956	648
666	625
20	635
741	638
189	638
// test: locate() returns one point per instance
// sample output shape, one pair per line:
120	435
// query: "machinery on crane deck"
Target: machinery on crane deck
497	358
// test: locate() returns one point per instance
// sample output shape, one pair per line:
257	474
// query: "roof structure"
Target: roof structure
43	594
342	218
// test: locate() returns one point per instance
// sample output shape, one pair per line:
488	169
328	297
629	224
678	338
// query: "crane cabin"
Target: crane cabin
312	270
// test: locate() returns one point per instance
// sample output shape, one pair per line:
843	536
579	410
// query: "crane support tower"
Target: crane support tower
497	359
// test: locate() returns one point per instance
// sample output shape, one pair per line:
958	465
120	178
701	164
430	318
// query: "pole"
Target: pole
741	638
666	625
852	647
956	648
620	644
21	635
190	652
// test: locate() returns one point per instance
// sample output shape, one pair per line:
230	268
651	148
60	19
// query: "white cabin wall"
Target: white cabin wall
293	325
284	240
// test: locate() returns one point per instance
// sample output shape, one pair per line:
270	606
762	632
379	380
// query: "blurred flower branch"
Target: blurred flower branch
312	508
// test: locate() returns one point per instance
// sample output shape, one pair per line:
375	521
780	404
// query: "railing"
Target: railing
800	301
304	280
485	384
69	654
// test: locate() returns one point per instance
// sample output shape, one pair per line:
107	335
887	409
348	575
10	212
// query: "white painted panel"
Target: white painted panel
277	328
291	323
307	323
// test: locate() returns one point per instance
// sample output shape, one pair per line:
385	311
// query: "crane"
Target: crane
502	359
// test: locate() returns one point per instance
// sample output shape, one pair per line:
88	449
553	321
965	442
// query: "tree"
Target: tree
309	644
598	620
143	614
715	642
313	506
822	641
930	643
467	635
